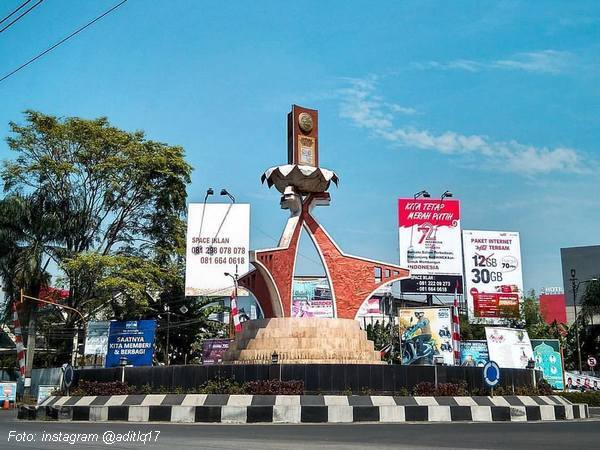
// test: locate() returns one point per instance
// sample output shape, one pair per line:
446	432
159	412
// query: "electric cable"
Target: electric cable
20	17
63	40
14	12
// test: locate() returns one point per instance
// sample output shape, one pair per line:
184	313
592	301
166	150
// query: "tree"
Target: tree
119	199
28	234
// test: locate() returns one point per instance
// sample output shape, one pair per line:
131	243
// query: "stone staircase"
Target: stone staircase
302	341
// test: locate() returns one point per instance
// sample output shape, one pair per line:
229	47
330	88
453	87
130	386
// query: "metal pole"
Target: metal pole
168	357
575	285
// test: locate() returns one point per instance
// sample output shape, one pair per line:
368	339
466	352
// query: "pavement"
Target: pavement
15	434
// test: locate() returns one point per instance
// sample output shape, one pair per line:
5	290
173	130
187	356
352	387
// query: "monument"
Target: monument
352	279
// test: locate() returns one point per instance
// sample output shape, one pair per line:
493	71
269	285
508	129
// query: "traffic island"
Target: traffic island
223	408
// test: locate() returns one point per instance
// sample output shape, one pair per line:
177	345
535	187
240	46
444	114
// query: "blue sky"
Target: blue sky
498	102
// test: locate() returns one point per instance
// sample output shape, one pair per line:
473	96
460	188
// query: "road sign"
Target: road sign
491	374
68	375
591	361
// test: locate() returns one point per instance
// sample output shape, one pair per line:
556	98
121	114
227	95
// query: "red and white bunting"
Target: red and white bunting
237	326
19	340
456	329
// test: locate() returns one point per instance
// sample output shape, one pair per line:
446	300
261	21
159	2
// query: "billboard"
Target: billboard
474	353
312	298
424	334
546	353
430	246
213	349
493	275
218	240
96	338
132	340
509	347
581	382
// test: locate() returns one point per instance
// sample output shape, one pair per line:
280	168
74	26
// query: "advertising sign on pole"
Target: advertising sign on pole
213	349
424	334
312	298
96	338
131	341
493	276
430	245
510	348
8	391
218	240
474	353
546	353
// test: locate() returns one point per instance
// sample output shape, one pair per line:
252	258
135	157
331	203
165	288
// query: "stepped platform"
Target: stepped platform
302	341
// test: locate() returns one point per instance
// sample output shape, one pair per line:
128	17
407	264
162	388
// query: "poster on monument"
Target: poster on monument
546	353
312	298
424	334
430	245
510	348
218	240
493	276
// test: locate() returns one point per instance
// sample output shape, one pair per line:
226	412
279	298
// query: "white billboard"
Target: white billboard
96	338
218	240
508	347
430	245
493	275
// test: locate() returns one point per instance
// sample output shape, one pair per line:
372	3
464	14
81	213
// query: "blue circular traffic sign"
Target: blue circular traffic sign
491	374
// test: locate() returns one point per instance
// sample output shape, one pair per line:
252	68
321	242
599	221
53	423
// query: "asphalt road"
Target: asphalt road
559	435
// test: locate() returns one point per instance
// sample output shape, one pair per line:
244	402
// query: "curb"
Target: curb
303	409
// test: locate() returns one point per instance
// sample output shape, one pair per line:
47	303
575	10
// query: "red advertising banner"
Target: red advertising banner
430	245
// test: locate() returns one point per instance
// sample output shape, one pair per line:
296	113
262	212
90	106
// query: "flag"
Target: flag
237	326
456	328
19	340
385	350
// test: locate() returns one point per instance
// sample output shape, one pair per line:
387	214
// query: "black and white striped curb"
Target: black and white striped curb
303	408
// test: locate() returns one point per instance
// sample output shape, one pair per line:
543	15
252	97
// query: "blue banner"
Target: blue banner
474	353
8	391
132	341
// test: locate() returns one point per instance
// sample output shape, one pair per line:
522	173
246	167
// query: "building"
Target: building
586	263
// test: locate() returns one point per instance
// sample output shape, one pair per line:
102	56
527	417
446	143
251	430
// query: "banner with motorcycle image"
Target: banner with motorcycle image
424	334
493	276
430	245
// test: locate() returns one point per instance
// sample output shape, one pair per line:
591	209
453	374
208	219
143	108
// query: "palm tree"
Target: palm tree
28	231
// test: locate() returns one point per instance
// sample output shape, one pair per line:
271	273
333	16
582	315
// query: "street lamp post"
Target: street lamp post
575	283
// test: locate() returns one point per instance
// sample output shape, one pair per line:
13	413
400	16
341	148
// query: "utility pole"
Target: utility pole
167	356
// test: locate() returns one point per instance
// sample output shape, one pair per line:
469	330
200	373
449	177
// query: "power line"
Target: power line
63	40
19	17
14	12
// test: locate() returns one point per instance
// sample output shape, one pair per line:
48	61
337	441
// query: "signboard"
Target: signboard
591	361
581	382
491	373
45	391
546	353
312	298
8	391
213	349
510	348
96	338
493	276
424	334
474	353
132	340
218	238
430	246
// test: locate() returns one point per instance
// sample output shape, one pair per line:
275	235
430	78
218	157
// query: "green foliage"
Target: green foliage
591	398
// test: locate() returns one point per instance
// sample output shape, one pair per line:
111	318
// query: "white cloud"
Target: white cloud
544	61
360	103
